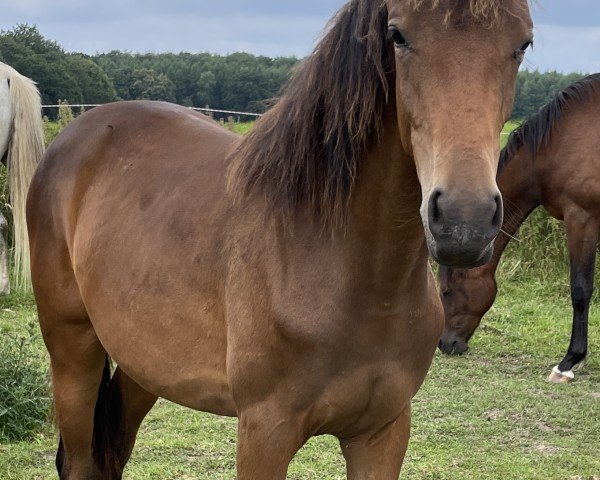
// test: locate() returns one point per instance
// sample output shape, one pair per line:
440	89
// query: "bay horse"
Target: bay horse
550	161
281	278
21	149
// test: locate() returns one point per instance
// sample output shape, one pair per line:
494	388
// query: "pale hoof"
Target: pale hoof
561	377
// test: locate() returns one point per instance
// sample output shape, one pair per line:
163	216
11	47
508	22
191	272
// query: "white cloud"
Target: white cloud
569	49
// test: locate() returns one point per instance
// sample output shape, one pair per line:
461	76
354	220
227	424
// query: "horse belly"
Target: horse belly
173	355
173	347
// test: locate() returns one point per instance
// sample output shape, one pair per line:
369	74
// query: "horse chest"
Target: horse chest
348	375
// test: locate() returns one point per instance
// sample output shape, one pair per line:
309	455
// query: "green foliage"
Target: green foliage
148	84
239	81
51	130
539	249
24	391
71	77
536	89
95	85
243	128
65	114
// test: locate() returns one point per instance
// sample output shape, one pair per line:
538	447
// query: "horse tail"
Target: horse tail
107	420
25	151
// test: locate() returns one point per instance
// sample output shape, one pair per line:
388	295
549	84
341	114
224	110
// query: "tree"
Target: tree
150	85
536	89
60	76
95	85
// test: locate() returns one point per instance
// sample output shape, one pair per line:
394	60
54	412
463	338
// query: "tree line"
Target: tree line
240	81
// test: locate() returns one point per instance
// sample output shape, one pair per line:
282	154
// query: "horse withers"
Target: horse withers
21	149
283	277
551	161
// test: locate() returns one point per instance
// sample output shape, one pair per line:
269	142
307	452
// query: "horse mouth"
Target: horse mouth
457	255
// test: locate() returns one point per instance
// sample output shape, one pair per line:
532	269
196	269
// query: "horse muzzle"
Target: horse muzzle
461	234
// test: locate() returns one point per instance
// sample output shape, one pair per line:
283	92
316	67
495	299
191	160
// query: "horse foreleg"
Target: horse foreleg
582	233
379	455
267	441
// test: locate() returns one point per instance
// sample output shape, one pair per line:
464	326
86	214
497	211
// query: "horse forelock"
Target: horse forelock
536	132
467	11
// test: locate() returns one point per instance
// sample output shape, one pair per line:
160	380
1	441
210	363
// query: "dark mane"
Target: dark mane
307	147
536	132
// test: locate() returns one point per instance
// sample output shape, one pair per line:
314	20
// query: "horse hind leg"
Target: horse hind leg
77	361
77	357
98	416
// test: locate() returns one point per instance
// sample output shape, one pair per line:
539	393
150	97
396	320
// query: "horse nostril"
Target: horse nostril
435	216
499	213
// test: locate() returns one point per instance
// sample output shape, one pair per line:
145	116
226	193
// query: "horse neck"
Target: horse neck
385	224
520	192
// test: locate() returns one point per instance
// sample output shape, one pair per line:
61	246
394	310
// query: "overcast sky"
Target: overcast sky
567	31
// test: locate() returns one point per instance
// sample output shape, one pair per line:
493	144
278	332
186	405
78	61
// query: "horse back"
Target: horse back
128	144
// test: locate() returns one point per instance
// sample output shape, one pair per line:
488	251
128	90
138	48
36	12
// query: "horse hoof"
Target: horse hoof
561	377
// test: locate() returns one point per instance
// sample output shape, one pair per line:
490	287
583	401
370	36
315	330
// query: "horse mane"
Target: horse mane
25	150
307	149
536	132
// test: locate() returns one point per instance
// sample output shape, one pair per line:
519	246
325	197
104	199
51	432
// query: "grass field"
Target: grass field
487	415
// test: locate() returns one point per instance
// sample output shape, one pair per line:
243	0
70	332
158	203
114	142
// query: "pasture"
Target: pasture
487	415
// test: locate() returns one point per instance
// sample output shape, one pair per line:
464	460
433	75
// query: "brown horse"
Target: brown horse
551	160
281	278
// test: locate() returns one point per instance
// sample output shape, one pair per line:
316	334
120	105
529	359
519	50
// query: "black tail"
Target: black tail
107	440
60	457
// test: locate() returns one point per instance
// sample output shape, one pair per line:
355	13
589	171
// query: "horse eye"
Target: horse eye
395	35
520	52
526	45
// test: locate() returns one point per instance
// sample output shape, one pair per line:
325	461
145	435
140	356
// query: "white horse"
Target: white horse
21	148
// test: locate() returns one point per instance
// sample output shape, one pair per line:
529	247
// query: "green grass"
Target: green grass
487	415
243	127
